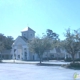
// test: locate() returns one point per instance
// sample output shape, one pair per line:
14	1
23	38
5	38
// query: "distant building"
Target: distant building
6	54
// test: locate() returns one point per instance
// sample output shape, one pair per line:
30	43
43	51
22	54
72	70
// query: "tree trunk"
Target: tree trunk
73	59
47	56
40	59
40	56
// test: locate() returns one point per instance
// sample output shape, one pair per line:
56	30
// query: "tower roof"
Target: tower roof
26	29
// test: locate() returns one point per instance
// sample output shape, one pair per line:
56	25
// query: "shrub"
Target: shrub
74	65
68	59
77	59
0	61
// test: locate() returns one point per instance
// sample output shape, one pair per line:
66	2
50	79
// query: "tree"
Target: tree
72	43
5	43
2	40
39	46
1	49
8	42
52	35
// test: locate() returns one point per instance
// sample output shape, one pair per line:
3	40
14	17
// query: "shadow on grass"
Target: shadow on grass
44	64
68	66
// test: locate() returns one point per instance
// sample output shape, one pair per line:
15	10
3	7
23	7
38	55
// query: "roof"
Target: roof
26	29
25	39
22	37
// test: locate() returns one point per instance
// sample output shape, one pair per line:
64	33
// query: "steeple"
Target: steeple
28	33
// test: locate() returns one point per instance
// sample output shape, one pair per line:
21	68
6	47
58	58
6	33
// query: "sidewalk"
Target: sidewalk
53	62
20	62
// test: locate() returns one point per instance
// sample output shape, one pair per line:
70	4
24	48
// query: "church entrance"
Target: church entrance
19	53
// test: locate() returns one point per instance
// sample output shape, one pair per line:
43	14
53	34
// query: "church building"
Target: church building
20	48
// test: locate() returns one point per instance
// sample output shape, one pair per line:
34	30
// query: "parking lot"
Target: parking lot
34	72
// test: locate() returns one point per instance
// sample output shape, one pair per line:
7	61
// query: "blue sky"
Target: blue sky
39	15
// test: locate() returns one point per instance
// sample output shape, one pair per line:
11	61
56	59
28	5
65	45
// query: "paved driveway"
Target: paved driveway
34	72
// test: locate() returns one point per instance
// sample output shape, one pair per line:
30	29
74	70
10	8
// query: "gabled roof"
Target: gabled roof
22	38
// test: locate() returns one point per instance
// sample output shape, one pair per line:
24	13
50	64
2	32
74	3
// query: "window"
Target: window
25	53
31	34
14	55
14	50
18	56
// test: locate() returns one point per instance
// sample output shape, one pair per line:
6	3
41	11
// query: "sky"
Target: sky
39	15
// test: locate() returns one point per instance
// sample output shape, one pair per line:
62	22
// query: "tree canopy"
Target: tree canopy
72	42
39	46
52	35
5	42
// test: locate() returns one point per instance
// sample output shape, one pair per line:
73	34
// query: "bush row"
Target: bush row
74	65
69	60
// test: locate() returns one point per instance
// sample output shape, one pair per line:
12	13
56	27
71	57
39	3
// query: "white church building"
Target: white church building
20	49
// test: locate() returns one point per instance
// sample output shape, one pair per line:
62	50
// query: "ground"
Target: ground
9	71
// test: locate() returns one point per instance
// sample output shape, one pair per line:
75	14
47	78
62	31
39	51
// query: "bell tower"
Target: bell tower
28	33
